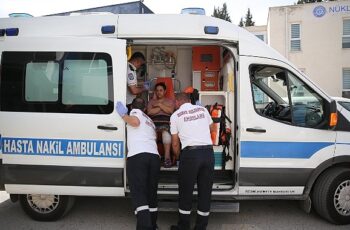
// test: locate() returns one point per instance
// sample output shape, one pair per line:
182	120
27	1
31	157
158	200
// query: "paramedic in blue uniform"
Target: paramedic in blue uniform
135	62
143	163
191	125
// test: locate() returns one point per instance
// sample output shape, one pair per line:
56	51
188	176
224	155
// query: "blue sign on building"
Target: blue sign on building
320	11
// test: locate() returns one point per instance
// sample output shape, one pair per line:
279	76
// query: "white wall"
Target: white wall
321	56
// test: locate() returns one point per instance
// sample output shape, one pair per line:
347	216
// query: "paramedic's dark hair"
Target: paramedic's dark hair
138	103
137	55
162	84
194	96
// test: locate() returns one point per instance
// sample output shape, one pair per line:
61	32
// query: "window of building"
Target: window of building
279	95
346	83
295	41
67	82
346	33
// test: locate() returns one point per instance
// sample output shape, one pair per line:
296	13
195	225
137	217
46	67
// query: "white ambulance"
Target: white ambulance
61	136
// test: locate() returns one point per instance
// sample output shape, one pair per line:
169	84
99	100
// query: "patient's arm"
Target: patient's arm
152	109
166	107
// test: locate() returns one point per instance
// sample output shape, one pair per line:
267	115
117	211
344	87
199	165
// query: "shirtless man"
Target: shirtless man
160	110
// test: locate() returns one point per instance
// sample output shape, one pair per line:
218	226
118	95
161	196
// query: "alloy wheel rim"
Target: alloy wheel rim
43	203
342	198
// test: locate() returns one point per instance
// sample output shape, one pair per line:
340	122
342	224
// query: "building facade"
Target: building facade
316	38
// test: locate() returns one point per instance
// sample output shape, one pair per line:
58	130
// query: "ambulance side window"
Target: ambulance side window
280	95
41	81
85	82
63	82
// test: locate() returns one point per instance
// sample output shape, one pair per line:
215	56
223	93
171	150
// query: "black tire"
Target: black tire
46	207
331	195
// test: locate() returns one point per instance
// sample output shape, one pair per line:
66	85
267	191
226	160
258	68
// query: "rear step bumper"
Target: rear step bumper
215	206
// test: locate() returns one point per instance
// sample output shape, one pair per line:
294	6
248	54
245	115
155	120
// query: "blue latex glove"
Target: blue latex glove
121	109
147	85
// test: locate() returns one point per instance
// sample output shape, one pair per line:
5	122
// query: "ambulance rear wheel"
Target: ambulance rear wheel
44	207
331	195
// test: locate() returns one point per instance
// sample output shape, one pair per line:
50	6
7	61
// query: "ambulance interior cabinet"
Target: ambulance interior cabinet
206	64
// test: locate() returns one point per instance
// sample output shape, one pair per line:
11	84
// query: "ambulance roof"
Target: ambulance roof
142	26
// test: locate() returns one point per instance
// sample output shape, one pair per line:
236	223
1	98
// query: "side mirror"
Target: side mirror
333	115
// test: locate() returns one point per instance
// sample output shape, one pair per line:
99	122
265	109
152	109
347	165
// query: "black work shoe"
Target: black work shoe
174	227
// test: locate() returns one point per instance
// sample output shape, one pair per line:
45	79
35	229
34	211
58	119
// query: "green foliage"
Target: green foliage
248	20
221	13
241	23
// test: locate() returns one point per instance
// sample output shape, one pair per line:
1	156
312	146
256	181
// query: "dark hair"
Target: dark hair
225	52
138	103
137	55
162	84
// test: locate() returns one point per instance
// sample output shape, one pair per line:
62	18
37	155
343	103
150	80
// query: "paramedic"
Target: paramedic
143	163
191	125
160	109
135	62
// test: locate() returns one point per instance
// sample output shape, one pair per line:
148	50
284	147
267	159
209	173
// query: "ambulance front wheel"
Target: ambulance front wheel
44	207
331	195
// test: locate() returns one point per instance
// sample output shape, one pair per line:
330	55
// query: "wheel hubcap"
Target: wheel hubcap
342	198
43	203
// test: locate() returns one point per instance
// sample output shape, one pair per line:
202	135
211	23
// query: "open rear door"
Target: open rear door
60	134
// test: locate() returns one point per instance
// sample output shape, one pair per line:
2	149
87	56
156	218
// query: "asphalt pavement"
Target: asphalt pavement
90	213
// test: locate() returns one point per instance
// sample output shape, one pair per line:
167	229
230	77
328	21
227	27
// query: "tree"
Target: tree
221	13
248	20
311	1
241	23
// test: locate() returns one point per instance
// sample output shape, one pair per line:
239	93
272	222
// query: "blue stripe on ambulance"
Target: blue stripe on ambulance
302	150
63	147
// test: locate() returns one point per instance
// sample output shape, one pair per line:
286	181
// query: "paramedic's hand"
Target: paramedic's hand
147	85
121	109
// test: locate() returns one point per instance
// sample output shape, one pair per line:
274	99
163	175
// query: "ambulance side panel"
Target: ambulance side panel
60	133
343	136
277	157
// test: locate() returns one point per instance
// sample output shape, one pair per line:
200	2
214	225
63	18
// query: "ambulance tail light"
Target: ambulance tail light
12	32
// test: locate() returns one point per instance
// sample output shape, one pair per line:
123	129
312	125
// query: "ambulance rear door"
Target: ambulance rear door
60	134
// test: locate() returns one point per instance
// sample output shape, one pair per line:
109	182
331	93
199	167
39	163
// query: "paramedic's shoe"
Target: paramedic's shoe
167	163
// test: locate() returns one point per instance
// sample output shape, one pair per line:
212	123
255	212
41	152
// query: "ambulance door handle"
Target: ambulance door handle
107	127
256	130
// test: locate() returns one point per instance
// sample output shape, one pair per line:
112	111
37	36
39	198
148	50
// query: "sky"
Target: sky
236	8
